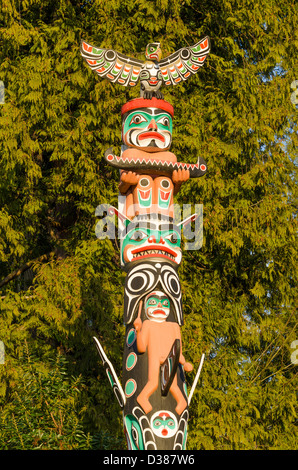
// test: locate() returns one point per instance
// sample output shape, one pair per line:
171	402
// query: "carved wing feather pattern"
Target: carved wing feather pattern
185	62
110	64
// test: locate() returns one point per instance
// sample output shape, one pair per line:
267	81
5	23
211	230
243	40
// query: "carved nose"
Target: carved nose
152	239
153	125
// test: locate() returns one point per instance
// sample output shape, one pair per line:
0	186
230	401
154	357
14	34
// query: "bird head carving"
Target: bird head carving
153	51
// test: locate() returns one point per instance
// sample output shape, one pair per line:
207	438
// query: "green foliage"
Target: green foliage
42	410
65	286
45	410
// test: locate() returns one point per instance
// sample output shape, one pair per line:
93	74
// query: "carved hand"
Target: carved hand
179	176
188	367
137	324
129	177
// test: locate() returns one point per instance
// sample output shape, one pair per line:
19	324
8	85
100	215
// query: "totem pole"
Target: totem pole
153	393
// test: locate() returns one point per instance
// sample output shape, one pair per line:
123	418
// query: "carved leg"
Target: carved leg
150	387
143	397
177	394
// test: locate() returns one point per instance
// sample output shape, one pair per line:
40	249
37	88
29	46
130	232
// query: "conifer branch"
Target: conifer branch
25	267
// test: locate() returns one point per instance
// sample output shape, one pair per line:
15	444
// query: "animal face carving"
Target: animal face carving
147	240
153	51
151	80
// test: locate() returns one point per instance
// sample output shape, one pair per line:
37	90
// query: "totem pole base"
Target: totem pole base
155	417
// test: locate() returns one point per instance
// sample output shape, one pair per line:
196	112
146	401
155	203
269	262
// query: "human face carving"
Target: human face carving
149	129
157	306
164	424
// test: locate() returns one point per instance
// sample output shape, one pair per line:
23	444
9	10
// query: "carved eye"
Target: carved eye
157	423
165	303
152	302
137	119
144	74
173	238
138	236
144	182
165	184
165	121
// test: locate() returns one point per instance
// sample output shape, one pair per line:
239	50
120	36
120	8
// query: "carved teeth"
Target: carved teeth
153	252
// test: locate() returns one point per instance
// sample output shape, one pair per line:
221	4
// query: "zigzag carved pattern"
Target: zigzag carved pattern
195	169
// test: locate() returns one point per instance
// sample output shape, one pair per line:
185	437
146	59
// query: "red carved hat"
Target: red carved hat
143	103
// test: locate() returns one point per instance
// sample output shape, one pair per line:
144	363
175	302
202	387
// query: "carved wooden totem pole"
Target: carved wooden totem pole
153	393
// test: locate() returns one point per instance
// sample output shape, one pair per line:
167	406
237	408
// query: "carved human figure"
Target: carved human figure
156	336
147	135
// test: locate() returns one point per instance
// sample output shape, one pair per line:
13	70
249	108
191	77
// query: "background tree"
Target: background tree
60	285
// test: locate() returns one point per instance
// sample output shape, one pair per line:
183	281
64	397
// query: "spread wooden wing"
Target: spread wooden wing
112	65
185	62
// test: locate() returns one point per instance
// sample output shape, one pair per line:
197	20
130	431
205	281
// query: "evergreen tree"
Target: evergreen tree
60	285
